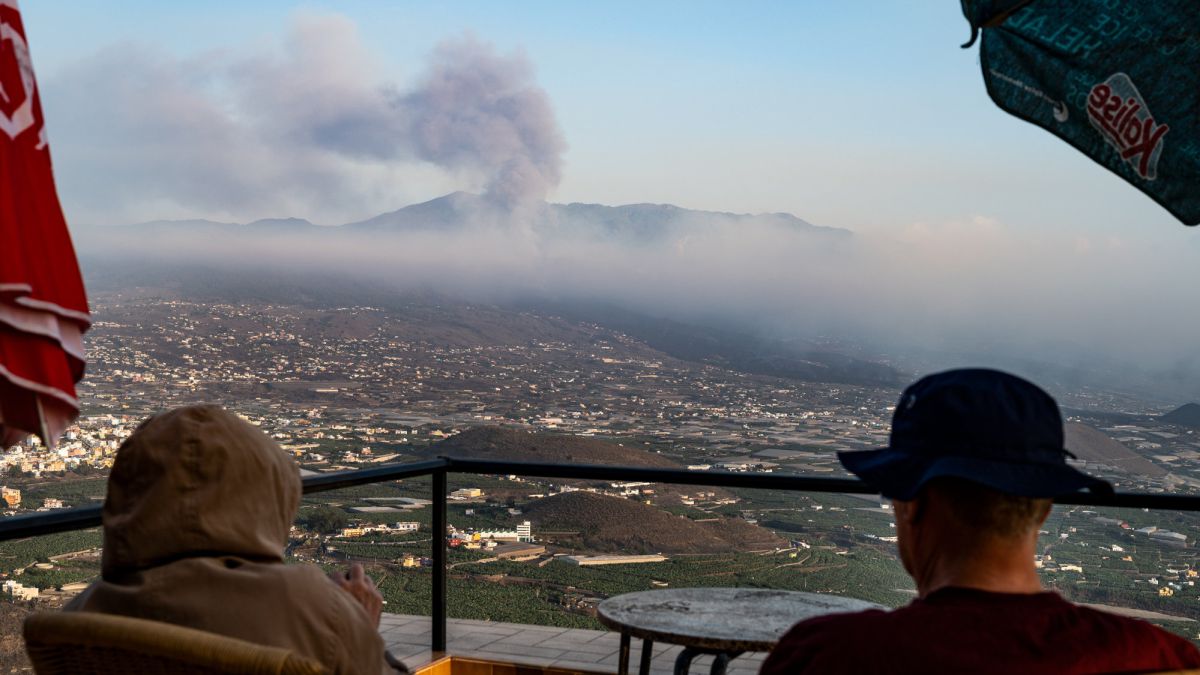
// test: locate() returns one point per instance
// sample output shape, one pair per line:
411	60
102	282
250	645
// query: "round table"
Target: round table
724	622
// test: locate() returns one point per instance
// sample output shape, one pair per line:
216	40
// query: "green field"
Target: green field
21	553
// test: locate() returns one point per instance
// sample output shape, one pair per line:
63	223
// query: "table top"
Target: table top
727	619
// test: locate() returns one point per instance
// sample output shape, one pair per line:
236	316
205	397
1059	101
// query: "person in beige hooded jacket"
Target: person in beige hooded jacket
196	521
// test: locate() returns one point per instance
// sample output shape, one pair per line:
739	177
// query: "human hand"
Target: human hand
362	588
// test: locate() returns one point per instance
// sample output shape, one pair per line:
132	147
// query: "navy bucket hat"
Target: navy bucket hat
981	425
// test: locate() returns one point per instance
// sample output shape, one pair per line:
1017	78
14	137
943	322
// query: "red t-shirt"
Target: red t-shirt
961	630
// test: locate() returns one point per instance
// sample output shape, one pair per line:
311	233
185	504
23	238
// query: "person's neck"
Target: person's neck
996	565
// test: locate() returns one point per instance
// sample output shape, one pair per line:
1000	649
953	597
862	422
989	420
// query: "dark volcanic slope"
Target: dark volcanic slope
735	349
1187	415
624	526
499	443
1094	445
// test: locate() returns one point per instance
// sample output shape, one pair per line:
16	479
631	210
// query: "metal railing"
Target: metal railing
18	527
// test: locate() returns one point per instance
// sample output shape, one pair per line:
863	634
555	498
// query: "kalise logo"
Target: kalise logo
1120	114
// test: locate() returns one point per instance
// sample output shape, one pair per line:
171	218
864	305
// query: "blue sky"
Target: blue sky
864	115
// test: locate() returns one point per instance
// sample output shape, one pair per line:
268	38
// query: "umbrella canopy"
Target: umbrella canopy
43	308
1117	79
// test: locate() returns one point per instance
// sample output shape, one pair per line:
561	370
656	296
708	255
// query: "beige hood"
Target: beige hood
197	481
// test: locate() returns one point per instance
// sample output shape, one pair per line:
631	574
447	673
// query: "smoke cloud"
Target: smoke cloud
311	128
479	111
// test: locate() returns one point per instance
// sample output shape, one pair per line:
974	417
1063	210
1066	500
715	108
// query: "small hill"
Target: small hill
1186	415
1095	446
500	443
621	525
524	446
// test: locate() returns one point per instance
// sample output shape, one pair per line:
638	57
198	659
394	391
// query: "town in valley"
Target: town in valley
351	387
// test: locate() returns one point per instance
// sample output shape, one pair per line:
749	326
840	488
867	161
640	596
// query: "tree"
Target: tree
326	519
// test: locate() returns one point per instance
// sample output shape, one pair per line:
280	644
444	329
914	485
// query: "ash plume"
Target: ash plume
482	111
312	127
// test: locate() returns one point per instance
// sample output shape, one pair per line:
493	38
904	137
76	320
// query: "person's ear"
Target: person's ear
1046	509
920	504
908	511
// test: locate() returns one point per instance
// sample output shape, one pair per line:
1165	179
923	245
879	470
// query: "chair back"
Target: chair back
88	643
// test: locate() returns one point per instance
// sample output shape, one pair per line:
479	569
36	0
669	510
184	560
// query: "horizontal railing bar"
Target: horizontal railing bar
59	520
81	518
379	474
84	517
1132	500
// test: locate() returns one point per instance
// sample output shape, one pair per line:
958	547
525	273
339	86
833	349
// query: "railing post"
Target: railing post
438	615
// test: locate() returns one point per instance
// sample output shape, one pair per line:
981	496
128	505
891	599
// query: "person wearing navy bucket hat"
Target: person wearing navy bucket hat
982	425
972	465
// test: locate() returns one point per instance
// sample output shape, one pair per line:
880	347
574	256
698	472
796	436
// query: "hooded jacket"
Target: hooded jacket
196	519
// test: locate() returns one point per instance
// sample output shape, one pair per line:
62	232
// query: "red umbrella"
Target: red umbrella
43	308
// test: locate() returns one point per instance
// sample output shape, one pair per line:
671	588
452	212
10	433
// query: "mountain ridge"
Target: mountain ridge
638	221
457	210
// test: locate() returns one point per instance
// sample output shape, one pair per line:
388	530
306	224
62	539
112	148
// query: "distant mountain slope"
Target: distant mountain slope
493	443
459	210
735	349
648	221
445	212
621	525
1187	415
639	222
159	228
1094	445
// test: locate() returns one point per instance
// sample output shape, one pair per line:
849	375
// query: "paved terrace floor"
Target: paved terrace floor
407	638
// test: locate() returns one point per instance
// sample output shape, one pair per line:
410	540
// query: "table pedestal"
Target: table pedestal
683	662
721	660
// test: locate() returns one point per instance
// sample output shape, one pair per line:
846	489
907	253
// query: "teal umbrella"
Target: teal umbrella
1117	79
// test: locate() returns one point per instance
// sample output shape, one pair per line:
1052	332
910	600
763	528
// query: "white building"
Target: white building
20	591
524	532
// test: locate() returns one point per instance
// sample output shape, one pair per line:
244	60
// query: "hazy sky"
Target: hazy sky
861	115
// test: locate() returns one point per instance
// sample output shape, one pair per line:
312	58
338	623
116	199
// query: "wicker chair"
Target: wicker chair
79	643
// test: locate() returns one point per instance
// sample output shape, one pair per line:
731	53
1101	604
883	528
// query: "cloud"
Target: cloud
310	128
